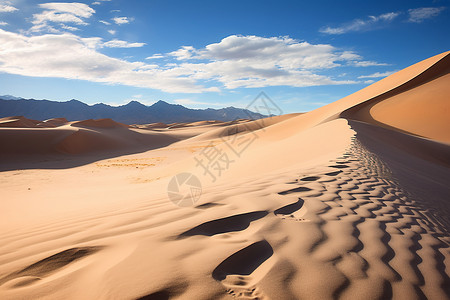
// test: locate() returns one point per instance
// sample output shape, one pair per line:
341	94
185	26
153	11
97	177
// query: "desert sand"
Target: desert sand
349	201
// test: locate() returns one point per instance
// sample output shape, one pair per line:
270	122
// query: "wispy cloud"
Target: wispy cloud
367	63
98	43
377	75
3	23
99	2
122	44
61	13
418	15
70	28
370	23
7	8
155	56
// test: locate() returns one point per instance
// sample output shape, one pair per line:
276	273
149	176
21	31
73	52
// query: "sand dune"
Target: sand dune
349	201
100	123
52	123
21	136
426	99
150	126
22	122
18	121
423	118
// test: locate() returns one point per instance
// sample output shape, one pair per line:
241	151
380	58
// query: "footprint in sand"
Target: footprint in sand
241	272
47	266
224	225
208	205
341	166
310	178
292	211
295	190
333	173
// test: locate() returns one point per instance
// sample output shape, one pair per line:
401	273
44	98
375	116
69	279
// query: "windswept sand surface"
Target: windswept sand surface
349	201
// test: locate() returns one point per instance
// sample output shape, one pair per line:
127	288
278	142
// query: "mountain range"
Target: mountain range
132	113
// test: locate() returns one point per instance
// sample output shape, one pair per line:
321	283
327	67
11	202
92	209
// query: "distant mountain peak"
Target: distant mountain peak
74	101
132	113
101	105
161	103
10	97
134	103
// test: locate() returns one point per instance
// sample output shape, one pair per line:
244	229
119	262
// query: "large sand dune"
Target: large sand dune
349	201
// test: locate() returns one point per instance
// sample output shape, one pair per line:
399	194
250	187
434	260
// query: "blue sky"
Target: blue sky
302	54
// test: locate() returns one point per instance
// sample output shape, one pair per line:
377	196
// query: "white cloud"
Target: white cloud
7	8
364	63
105	22
72	57
112	32
378	74
44	27
418	15
234	62
155	56
121	20
77	9
185	52
99	2
3	23
61	13
372	22
71	28
97	43
54	16
252	61
122	44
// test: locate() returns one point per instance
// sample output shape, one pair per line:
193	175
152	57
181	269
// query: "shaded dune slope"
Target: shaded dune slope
99	123
18	122
420	106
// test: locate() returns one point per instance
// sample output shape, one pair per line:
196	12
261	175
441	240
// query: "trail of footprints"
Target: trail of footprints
359	194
